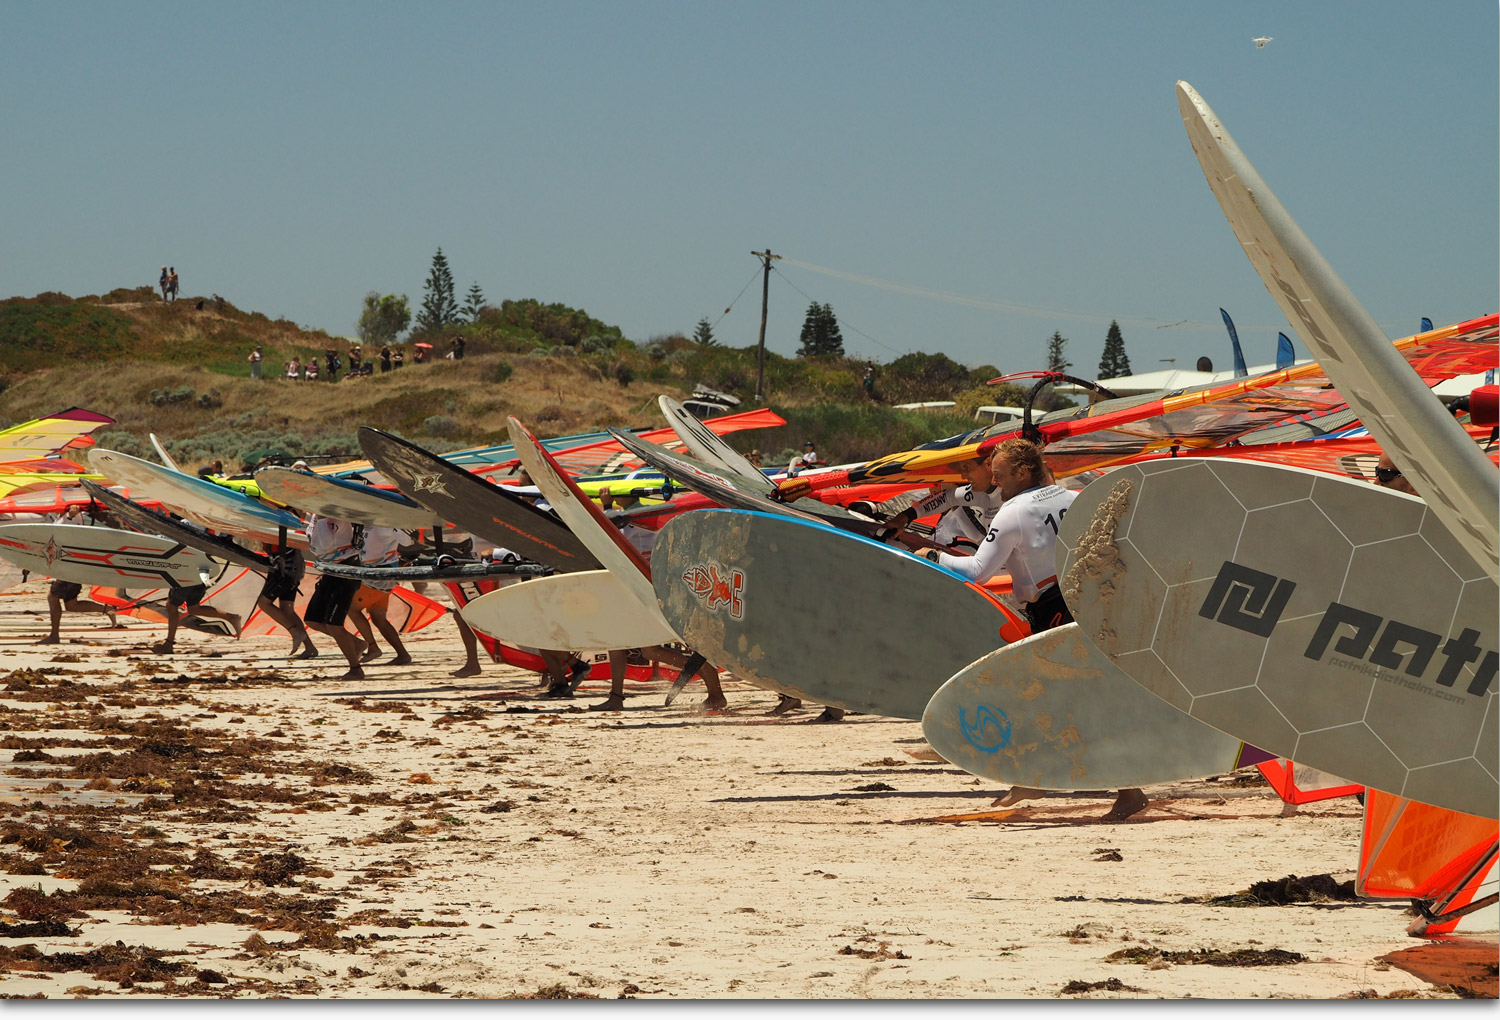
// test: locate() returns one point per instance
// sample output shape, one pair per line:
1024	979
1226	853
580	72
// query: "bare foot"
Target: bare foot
236	622
614	703
785	705
1018	794
355	673
831	714
164	648
308	651
50	639
401	660
714	702
114	619
371	654
466	670
1126	804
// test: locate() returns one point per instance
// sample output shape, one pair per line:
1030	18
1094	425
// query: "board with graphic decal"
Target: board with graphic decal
193	536
92	554
344	500
473	504
1051	712
751	592
1328	621
200	501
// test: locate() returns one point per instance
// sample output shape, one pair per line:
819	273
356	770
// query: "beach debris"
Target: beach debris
1283	891
1211	957
1076	987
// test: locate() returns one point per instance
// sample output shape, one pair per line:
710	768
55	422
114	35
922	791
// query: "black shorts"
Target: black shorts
1048	611
191	595
330	600
283	583
65	591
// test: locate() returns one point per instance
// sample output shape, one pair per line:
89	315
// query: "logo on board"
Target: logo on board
430	483
990	730
1364	642
716	586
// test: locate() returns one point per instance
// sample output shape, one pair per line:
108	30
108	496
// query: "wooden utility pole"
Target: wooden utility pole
765	294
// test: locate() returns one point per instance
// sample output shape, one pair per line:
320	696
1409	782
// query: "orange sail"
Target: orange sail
1432	855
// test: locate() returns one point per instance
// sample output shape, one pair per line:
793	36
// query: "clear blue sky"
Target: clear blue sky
1001	169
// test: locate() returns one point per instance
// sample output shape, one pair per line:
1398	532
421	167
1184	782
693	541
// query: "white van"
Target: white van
995	414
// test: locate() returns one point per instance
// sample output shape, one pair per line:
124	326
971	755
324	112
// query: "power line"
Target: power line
995	305
842	322
736	298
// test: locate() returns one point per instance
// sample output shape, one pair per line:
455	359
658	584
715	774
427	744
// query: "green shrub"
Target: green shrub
441	425
499	372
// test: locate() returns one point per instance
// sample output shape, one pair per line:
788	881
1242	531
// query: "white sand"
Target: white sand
689	855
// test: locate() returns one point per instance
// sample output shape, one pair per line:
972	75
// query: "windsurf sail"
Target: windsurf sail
408	611
1416	851
589	453
1302	784
50	434
1240	371
1114	431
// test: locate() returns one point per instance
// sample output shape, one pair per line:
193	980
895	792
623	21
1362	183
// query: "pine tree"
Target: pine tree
474	303
1114	363
820	332
439	306
1056	361
704	334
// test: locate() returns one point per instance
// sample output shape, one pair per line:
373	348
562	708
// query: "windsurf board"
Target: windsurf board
200	501
728	489
587	521
151	522
774	599
583	609
1051	712
1411	425
711	448
344	500
475	505
93	554
1324	620
443	568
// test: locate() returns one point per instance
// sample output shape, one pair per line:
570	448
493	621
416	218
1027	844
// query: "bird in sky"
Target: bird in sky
1260	41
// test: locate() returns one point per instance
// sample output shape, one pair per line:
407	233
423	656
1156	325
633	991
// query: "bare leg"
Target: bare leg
288	621
830	714
366	635
166	646
1126	804
471	649
216	614
618	659
348	643
403	658
308	650
55	611
715	699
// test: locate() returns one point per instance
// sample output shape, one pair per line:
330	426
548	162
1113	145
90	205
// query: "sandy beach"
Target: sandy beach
224	822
